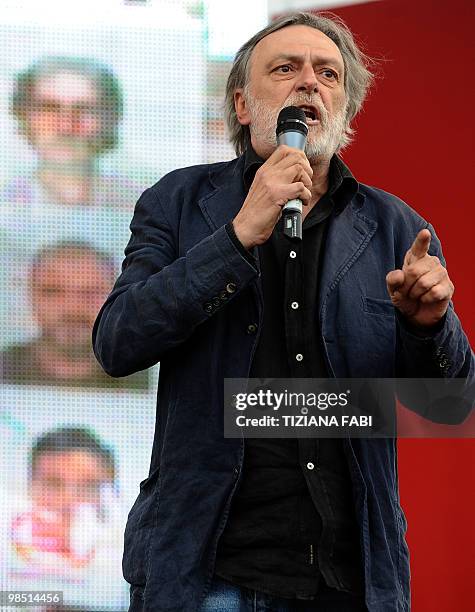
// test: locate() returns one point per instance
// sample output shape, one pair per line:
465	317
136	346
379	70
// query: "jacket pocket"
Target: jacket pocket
138	530
378	306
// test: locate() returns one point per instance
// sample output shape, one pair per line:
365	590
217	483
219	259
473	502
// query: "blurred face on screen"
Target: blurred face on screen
295	66
63	480
64	121
67	291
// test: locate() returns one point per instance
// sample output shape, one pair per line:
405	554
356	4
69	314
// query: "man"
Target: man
211	289
67	283
69	111
68	468
68	535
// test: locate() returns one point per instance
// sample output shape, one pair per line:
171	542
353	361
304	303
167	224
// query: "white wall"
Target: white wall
282	6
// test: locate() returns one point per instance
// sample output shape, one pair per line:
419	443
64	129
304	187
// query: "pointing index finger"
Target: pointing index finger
421	244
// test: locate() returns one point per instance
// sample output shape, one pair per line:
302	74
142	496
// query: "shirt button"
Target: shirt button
293	254
295	305
310	465
299	356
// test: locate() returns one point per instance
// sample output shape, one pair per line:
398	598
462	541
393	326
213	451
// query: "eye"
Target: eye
330	74
284	69
50	291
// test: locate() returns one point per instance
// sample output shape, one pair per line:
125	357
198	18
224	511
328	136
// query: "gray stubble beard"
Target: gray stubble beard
320	145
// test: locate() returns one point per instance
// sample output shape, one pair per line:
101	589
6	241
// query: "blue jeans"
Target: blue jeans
226	597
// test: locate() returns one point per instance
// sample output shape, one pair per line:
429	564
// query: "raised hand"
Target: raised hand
422	290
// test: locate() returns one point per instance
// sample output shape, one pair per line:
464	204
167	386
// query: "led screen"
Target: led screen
92	112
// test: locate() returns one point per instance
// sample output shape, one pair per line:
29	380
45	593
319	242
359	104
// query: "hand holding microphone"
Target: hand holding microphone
284	177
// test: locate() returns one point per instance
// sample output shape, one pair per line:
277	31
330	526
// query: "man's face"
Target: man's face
63	480
295	66
63	123
67	291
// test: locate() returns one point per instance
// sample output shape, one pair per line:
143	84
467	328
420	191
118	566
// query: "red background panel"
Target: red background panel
415	139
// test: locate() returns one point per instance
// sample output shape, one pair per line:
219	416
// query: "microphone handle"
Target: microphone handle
292	215
292	211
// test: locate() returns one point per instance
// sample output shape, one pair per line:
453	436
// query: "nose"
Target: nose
66	122
307	81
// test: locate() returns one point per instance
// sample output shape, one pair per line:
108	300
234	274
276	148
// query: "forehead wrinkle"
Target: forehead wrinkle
299	58
310	37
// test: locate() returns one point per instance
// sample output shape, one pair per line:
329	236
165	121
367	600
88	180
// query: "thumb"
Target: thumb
394	280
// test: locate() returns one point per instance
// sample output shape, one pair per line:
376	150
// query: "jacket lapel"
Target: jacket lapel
226	196
348	236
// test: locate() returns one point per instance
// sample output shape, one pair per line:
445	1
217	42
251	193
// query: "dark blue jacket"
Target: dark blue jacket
185	298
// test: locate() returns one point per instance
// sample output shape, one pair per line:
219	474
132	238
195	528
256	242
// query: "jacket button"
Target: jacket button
251	329
231	287
216	302
208	307
224	295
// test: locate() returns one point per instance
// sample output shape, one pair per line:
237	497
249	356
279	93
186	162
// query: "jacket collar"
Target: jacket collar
230	182
342	185
227	194
349	232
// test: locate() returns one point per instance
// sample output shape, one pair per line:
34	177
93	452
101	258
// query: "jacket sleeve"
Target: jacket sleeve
160	298
445	353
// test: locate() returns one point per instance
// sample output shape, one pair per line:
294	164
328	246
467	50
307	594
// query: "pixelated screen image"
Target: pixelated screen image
94	108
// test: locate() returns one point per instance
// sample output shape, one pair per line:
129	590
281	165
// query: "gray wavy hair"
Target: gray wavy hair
358	78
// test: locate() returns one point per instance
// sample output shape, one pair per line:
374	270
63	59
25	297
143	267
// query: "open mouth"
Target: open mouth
310	112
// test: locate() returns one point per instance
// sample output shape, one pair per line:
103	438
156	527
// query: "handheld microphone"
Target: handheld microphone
292	131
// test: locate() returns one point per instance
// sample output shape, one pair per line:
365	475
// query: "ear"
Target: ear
240	106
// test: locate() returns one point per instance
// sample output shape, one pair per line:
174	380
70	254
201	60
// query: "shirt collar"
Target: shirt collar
342	185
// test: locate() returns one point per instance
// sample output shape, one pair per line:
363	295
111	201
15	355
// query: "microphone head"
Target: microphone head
292	119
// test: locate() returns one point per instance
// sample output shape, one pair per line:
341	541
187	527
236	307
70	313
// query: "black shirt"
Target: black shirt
292	520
